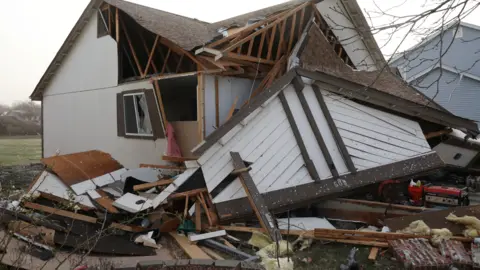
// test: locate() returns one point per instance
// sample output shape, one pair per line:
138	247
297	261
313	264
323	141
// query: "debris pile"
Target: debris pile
89	203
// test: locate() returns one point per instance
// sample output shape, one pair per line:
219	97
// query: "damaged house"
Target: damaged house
281	94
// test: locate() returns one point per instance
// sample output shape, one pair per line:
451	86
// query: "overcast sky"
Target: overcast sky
32	31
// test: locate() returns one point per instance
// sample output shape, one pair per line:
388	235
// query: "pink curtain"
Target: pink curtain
172	147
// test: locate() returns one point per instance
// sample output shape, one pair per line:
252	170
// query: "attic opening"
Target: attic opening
143	54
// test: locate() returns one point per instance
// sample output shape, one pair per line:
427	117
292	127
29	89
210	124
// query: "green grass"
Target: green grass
20	150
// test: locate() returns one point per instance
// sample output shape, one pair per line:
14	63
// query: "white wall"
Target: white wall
336	16
87	120
228	89
90	64
80	111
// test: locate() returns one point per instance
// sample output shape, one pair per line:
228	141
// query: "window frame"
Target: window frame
153	111
135	106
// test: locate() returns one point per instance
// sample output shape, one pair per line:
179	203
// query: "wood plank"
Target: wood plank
198	216
117	27
260	47
190	193
373	253
59	212
192	251
266	219
437	133
151	185
165	61
160	103
205	208
298	138
160	166
282	36
212	253
333	128
292	32
300	23
217	104
271	41
250	46
150	57
177	159
233	57
201	106
132	49
179	64
105	202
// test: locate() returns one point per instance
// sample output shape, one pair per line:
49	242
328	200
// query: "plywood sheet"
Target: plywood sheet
186	135
78	167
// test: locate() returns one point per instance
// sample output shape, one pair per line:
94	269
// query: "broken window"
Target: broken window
138	115
137	120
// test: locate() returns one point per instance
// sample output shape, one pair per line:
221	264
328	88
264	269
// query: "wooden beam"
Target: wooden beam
212	253
106	202
179	64
217	104
271	41
278	19
250	46
132	49
160	103
233	56
179	50
205	208
165	62
59	212
385	205
437	133
333	128
266	219
237	36
178	159
300	23
200	107
198	216
190	193
260	47
153	184
298	138
117	26
280	42
145	47
166	167
152	52
292	32
193	251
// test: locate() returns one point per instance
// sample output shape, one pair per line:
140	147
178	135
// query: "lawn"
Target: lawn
20	150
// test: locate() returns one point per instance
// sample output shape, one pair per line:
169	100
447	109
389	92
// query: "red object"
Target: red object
453	191
416	194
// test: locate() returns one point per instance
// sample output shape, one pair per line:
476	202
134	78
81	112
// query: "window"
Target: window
138	115
137	120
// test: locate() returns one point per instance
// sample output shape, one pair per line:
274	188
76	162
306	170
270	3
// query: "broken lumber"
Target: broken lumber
151	185
59	212
165	167
190	193
203	236
381	236
177	159
373	253
267	220
193	251
103	200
